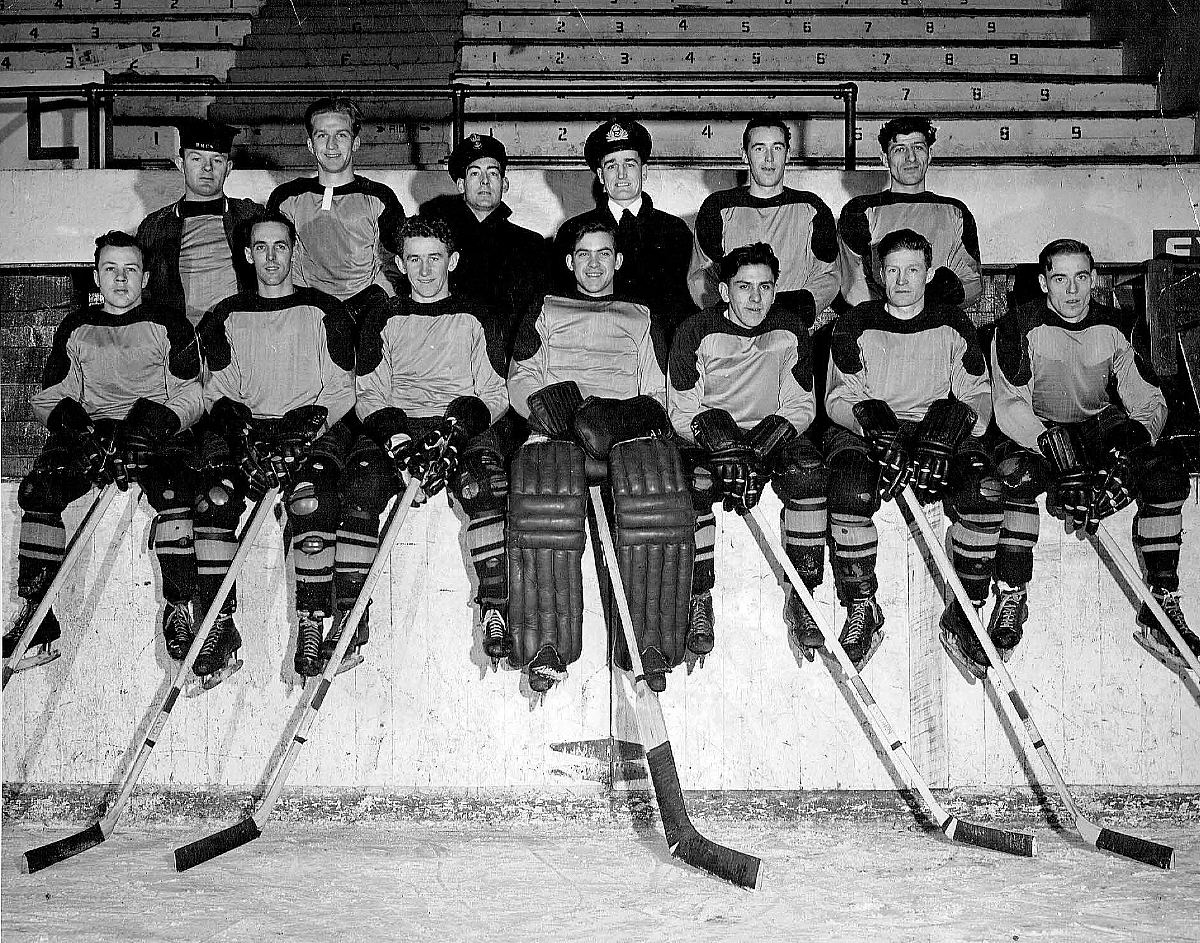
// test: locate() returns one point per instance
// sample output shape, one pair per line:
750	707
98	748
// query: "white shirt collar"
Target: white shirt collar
617	209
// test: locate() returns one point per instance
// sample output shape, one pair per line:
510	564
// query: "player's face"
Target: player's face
623	175
428	266
120	277
270	252
749	294
595	262
333	142
484	185
905	275
1068	285
766	155
204	173
908	159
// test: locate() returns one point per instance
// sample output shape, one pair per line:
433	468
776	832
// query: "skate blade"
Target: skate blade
351	661
1167	656
208	682
36	657
966	667
878	640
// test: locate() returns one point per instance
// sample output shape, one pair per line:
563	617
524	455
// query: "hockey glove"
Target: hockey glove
1114	478
70	420
731	458
882	432
1072	479
552	410
767	441
601	422
142	433
937	437
435	457
297	431
388	427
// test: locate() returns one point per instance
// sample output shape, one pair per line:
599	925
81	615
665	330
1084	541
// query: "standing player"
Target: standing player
120	389
1056	362
281	362
907	144
909	395
343	221
656	246
193	258
741	387
430	387
796	224
597	344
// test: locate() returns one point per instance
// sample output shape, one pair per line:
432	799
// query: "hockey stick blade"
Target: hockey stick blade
45	855
209	847
996	839
1138	849
687	844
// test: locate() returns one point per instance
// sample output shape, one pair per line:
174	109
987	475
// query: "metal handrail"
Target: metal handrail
99	97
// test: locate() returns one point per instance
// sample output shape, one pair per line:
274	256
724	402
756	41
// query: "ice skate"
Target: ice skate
218	659
863	632
1154	638
961	644
353	656
701	637
546	669
309	631
802	627
1008	620
178	630
497	639
42	649
655	669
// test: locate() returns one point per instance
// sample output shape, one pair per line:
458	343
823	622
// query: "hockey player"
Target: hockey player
597	344
741	388
797	224
193	258
120	390
281	362
1055	363
909	394
907	144
504	265
430	387
344	221
656	246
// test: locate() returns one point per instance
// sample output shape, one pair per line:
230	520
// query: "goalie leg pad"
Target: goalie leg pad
655	542
547	515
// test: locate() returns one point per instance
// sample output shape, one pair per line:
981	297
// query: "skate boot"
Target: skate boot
42	649
497	639
309	631
802	627
218	655
353	656
962	645
863	631
546	669
1154	638
178	630
701	635
654	669
1008	619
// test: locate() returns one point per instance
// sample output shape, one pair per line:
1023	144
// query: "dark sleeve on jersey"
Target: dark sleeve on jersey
970	237
824	232
708	227
974	361
1012	343
795	322
682	369
184	358
855	230
58	363
339	328
390	218
370	338
214	344
282	193
847	329
528	342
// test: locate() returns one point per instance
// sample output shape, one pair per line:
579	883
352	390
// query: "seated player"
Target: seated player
281	362
909	394
596	344
120	390
430	388
741	388
1055	363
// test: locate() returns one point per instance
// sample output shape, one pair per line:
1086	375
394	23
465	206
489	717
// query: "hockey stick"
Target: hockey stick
42	857
1132	577
1106	839
683	840
79	540
250	828
970	833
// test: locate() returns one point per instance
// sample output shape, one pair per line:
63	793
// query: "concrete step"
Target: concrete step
917	93
809	26
304	9
359	22
344	56
908	7
248	112
1083	59
205	32
341	38
108	8
399	72
145	58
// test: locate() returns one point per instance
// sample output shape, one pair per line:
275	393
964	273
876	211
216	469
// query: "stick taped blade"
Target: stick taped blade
1139	849
997	839
42	857
209	847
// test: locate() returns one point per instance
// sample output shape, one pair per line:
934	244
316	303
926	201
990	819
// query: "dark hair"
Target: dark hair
766	121
424	227
270	216
758	253
1064	247
118	240
337	105
905	239
907	124
589	227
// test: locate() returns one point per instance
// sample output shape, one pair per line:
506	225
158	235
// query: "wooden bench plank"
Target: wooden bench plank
201	32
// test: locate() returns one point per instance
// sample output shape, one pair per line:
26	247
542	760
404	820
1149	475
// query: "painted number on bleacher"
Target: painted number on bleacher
887	57
691	56
907	92
683	26
807	27
560	58
756	58
1076	132
562	134
991	27
1044	94
1014	58
624	58
34	32
949	58
866	26
706	131
745	26
620	26
1003	132
929	26
857	133
560	26
976	94
5	63
820	58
